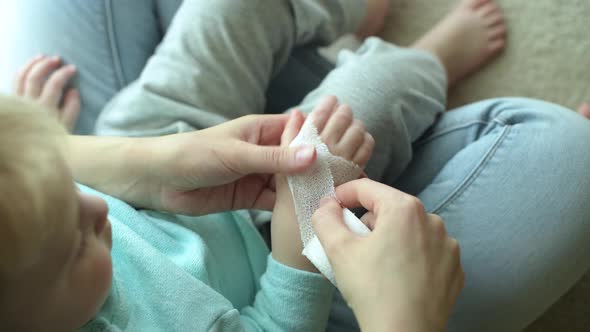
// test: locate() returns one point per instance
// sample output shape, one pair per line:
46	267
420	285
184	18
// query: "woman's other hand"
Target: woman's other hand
406	274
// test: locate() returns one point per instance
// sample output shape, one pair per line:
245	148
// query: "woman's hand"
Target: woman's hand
405	275
230	166
226	167
43	80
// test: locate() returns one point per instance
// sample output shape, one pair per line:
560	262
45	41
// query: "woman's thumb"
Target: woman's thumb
274	159
328	223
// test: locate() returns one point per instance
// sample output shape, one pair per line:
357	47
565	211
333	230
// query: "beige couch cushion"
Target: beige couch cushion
548	53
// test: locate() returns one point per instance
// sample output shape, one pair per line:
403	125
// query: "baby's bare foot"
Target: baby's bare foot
584	110
467	38
374	20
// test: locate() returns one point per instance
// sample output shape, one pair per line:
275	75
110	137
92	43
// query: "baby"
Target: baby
165	272
55	264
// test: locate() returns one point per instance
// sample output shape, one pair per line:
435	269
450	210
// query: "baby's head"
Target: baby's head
55	264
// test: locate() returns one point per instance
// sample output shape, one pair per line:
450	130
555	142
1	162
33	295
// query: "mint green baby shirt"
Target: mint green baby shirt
178	273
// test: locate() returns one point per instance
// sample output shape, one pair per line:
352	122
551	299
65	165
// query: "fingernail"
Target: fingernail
72	67
304	154
54	58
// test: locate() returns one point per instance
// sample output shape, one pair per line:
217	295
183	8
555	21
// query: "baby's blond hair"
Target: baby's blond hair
31	206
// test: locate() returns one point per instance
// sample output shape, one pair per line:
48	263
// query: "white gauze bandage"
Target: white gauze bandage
317	182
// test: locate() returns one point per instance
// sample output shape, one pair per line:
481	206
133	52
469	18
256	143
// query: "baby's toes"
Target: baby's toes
351	141
337	126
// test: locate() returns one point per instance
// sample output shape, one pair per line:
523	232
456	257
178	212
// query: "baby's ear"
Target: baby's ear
292	127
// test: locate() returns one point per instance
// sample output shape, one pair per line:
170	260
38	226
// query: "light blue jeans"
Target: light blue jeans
507	175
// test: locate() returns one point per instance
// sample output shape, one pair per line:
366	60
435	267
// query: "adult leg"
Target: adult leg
109	42
509	178
217	59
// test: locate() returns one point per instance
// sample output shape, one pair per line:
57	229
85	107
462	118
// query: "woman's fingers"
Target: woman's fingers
328	223
18	84
457	282
71	109
53	88
369	219
35	79
368	194
247	158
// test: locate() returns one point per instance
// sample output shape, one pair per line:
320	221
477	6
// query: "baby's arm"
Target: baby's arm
346	138
43	80
292	297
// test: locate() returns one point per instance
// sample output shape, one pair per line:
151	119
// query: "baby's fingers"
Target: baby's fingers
337	125
292	128
351	141
363	154
53	89
70	110
35	79
323	111
19	81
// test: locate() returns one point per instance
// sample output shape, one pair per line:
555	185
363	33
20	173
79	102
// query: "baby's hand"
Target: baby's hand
37	82
344	136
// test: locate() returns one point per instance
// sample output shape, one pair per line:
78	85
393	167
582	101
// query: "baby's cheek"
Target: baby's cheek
103	277
105	267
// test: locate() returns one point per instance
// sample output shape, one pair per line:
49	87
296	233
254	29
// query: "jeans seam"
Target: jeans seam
112	40
470	178
449	130
458	127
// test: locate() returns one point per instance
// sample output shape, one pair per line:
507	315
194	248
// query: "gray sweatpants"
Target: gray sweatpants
218	57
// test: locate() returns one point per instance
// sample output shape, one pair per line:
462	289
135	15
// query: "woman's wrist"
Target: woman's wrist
379	317
117	166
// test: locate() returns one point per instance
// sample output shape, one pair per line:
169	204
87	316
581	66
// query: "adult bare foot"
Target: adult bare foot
374	20
467	38
584	110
